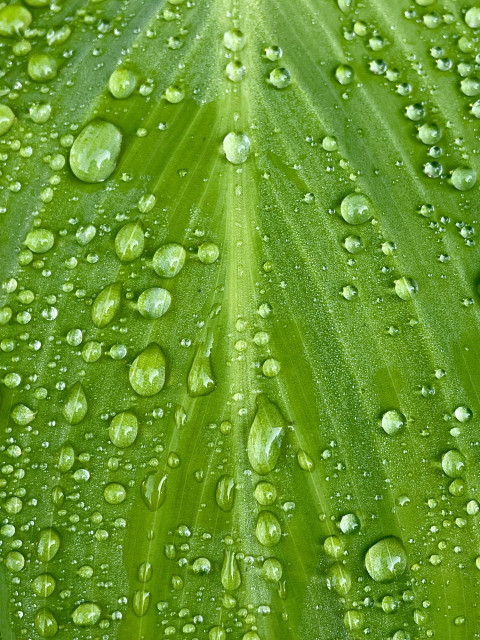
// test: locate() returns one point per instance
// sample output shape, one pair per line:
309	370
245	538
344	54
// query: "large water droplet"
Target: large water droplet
230	576
48	545
236	147
147	373
386	560
268	530
123	429
7	118
169	259
265	436
106	305
201	380
356	208
453	463
14	19
76	406
94	154
129	241
154	490
86	614
225	492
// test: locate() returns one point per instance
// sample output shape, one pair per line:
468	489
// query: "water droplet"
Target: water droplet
76	406
174	94
406	288
202	566
22	415
234	40
429	133
334	547
44	585
393	421
40	240
349	523
472	17
386	560
154	490
344	74
273	53
154	303
130	241
147	373
230	576
353	620
463	414
453	463
42	67
14	19
272	570
235	71
86	614
14	561
123	429
169	259
122	83
464	178
271	367
66	458
201	380
268	530
236	147
7	118
95	152
208	253
106	305
225	492
115	493
339	579
356	208
141	602
45	623
265	436
265	493
304	460
280	78
48	545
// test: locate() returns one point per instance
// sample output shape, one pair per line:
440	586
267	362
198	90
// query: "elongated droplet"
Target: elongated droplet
94	154
147	373
66	457
86	614
76	406
141	601
339	579
266	435
201	380
45	623
48	545
231	576
268	529
106	305
129	242
225	493
123	429
154	490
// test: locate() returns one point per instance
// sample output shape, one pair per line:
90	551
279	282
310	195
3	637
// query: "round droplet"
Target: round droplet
344	74
353	244
147	373
154	303
463	414
14	19
130	241
42	67
234	40
48	544
44	585
386	560
353	620
76	405
356	208
271	367
235	71
305	461
208	253
453	463
7	118
115	493
429	133
280	78
406	288
464	178
174	94
273	53
339	579
86	614
393	421
472	17
268	530
14	561
40	240
349	523
95	152
334	547
141	602
22	415
272	570
122	83
169	260
265	493
236	147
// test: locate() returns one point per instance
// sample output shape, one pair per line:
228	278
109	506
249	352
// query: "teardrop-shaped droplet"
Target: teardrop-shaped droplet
45	623
94	154
231	576
225	493
201	380
106	305
76	406
154	490
141	601
130	241
266	435
123	429
268	530
147	373
66	457
48	544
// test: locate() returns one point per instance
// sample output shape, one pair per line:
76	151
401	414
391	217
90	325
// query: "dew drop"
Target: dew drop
386	560
147	373
95	152
236	147
265	436
356	208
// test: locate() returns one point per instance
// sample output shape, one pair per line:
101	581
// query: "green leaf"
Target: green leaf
239	321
